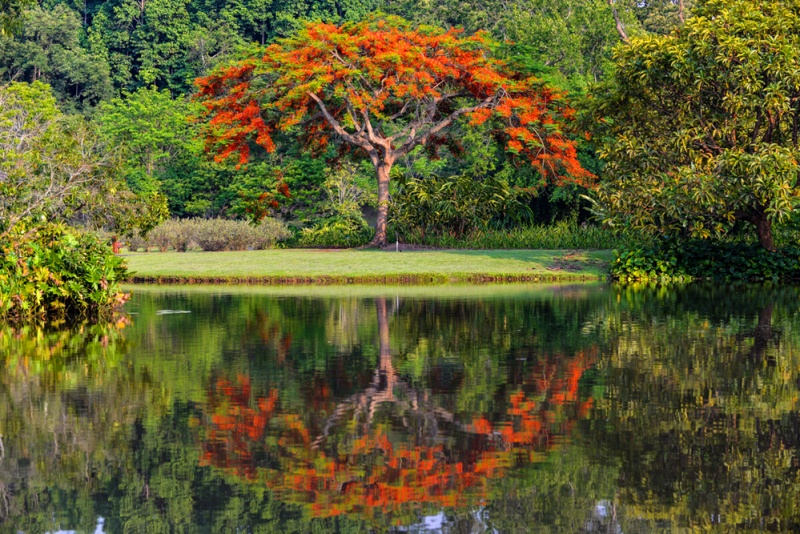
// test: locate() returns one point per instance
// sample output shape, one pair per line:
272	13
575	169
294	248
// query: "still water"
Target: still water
530	408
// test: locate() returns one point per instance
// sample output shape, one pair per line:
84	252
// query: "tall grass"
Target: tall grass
561	235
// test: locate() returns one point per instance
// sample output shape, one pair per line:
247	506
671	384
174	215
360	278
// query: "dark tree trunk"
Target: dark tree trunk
763	228
385	368
764	232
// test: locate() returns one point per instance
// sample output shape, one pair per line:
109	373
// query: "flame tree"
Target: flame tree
383	88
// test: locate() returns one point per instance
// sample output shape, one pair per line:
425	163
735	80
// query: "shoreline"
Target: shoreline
324	280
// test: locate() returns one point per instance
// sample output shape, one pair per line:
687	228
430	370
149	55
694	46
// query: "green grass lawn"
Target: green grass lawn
366	265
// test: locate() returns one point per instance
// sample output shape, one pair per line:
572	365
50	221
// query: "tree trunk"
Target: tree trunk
764	232
620	27
382	170
763	227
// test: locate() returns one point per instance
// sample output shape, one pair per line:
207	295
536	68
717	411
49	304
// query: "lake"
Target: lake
496	408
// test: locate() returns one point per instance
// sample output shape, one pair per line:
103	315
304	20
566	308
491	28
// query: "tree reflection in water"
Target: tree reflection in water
566	409
343	460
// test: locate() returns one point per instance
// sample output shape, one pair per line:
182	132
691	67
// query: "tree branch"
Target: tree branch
620	27
350	138
413	141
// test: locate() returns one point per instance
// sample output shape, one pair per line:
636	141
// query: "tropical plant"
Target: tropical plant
339	231
454	206
53	271
383	87
684	260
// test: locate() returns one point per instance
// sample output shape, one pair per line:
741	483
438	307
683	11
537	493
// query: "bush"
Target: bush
56	271
136	242
561	235
455	206
337	232
730	261
215	235
173	233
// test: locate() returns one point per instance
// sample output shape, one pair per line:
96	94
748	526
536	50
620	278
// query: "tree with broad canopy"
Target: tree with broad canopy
383	88
700	127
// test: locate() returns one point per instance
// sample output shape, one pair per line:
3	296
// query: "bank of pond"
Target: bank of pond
563	408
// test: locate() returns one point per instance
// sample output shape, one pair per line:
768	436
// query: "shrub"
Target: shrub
561	235
160	237
455	206
135	242
56	271
178	234
730	261
268	233
219	234
337	232
216	234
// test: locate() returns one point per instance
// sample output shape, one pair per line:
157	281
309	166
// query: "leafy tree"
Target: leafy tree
10	14
45	157
700	127
152	130
49	49
384	88
56	167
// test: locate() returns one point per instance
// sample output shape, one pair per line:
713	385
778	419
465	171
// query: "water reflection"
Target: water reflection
566	408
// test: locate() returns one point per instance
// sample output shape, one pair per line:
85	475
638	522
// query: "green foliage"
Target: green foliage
49	49
699	128
213	235
53	271
348	191
564	234
342	231
454	206
647	264
10	15
152	131
704	259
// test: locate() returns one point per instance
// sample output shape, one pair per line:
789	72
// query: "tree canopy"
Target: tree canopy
700	127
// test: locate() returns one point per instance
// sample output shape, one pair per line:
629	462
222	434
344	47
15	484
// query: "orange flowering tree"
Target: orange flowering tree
383	88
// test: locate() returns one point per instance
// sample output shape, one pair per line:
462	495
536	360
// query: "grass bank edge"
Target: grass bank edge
322	267
416	279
